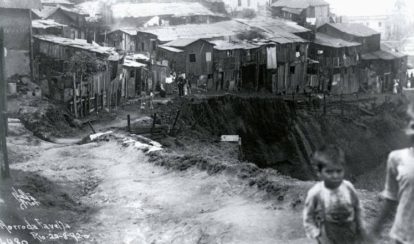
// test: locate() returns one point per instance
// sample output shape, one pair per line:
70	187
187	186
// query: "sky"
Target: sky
365	7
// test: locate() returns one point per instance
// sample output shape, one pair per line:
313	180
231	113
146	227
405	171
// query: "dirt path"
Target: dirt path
109	191
123	198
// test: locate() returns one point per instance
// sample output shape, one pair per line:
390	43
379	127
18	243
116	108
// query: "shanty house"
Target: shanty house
74	19
303	12
161	14
337	69
47	27
276	25
84	76
354	32
17	24
194	57
134	78
148	39
282	59
291	59
239	5
122	39
384	69
95	20
229	58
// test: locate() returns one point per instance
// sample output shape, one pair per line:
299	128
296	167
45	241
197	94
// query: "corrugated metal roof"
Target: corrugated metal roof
136	10
67	2
45	12
299	3
133	64
197	31
140	56
278	30
329	41
293	10
285	37
354	29
20	4
226	45
276	23
382	54
183	42
45	23
171	49
129	31
76	43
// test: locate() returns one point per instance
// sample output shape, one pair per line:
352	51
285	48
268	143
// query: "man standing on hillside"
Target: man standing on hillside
399	190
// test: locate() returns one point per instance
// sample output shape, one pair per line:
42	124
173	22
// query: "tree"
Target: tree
81	66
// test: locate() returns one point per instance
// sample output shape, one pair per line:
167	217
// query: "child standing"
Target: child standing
332	213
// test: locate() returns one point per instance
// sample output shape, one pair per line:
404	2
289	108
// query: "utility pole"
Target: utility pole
4	164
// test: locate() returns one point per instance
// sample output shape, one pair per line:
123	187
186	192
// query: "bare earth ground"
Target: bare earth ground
112	192
124	199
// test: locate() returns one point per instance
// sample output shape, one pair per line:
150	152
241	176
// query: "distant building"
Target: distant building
161	14
47	27
369	38
303	12
73	19
17	24
239	5
273	26
379	23
383	68
122	39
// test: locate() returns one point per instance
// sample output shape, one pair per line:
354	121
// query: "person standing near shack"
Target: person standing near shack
180	84
399	190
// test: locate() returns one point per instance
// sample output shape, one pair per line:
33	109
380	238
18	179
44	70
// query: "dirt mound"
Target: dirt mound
277	134
45	119
275	185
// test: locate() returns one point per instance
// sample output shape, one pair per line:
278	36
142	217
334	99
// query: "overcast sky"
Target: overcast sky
365	7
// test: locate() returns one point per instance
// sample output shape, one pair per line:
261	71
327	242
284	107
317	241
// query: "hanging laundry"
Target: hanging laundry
271	58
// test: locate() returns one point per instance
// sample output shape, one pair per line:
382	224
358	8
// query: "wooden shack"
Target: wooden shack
338	69
81	75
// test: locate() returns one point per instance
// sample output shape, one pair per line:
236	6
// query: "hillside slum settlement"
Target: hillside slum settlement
94	55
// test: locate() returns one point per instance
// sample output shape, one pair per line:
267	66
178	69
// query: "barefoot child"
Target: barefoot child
332	213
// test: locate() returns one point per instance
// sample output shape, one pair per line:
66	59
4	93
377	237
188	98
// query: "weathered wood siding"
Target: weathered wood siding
17	25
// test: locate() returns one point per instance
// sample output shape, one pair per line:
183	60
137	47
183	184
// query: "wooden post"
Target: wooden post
324	103
129	123
96	102
175	121
4	163
81	97
342	106
241	156
75	107
153	122
90	125
102	99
